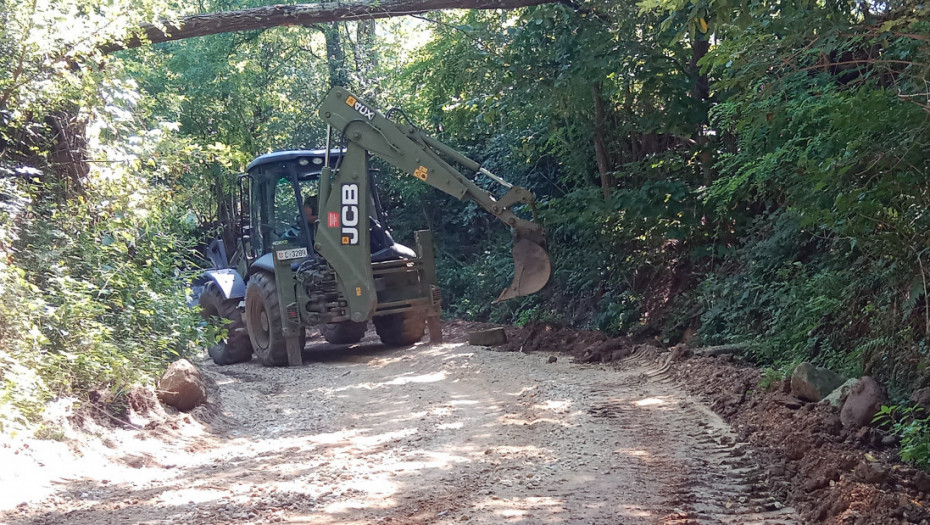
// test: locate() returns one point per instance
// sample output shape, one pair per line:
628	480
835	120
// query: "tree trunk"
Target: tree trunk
335	56
600	145
701	87
67	155
300	14
700	90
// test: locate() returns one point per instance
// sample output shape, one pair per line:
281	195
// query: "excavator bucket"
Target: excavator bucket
530	272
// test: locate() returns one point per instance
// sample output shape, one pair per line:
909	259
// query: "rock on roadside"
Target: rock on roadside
837	397
813	383
492	337
863	402
182	386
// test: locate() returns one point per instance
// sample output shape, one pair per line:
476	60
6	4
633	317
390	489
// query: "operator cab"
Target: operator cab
277	215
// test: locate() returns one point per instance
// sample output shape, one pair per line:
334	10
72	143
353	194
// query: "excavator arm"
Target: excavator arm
412	151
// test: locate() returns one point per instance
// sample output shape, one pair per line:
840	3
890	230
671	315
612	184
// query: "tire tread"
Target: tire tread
401	329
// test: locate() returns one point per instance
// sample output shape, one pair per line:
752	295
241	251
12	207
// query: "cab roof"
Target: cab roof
314	157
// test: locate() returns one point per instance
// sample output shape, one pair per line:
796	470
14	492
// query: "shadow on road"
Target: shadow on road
318	350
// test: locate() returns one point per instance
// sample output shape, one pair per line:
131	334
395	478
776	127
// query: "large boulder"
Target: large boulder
863	402
836	398
492	337
813	383
182	386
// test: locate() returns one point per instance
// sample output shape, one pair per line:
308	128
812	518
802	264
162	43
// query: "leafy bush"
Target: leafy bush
913	430
93	299
94	270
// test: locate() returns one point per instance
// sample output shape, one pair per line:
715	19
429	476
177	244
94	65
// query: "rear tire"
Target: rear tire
403	329
263	320
346	333
236	347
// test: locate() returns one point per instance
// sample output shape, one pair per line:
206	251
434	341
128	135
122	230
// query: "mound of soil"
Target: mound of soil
584	345
546	337
829	473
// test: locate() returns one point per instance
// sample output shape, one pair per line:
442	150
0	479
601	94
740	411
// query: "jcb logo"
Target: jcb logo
361	108
349	209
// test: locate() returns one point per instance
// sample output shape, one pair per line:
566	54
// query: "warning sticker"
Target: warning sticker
332	219
420	173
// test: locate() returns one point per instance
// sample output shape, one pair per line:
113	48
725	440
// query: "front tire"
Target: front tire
236	347
345	333
403	329
263	320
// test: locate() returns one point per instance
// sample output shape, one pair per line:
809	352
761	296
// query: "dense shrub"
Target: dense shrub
94	296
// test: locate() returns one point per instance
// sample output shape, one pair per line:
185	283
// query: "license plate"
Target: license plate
293	253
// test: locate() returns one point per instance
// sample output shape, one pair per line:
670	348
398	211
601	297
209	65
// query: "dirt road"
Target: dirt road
429	434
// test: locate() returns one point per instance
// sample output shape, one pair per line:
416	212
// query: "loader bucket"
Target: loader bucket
531	269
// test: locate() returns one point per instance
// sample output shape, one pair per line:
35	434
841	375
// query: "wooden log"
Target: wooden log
710	351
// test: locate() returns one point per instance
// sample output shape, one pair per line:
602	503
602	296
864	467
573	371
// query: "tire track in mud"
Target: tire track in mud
713	477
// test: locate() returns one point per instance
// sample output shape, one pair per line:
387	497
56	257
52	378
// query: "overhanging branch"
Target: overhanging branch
266	17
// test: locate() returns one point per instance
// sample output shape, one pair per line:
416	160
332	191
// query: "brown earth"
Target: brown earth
456	433
831	474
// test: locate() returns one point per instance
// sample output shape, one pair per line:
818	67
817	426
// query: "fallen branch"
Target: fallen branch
710	351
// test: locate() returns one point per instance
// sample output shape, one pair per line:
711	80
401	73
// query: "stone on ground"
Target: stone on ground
182	386
837	397
813	383
492	337
863	402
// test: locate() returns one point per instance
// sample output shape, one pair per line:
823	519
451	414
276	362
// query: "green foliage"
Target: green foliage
539	314
803	208
822	191
517	91
770	376
94	298
94	256
247	93
913	430
49	51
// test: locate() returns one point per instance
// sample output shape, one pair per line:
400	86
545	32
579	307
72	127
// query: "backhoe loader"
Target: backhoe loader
340	268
